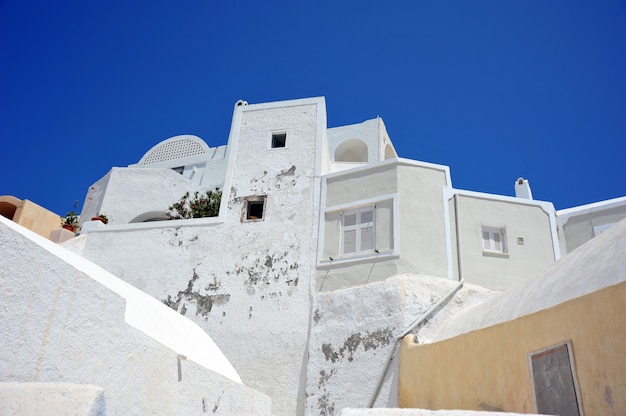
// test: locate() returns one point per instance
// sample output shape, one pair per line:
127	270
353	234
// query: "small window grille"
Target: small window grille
279	140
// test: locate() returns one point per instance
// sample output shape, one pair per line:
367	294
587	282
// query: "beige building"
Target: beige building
29	215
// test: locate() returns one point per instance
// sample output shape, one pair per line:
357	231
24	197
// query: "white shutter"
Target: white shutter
366	224
367	238
496	239
357	228
349	221
349	241
486	240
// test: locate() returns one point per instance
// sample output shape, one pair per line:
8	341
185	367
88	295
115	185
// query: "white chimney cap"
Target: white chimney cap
522	189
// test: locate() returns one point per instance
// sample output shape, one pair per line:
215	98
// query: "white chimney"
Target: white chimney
522	189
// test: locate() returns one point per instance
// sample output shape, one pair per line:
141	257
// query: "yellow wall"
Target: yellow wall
488	368
31	216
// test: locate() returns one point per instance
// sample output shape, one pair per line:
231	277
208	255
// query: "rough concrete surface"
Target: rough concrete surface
354	330
59	399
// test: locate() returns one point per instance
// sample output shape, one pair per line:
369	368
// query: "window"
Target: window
279	140
494	240
357	230
253	208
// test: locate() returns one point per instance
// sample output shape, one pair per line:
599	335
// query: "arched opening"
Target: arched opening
389	152
8	206
352	150
150	216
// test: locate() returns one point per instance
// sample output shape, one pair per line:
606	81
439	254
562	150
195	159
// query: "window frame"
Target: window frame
492	232
534	355
324	261
278	135
250	201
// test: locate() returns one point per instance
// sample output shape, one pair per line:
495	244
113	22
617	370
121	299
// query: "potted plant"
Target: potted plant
100	217
70	222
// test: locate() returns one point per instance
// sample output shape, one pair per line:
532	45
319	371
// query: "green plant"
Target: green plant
71	219
197	205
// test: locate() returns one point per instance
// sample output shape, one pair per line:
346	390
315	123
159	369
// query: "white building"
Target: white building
293	279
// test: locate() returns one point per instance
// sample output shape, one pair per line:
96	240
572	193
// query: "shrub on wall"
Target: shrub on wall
197	205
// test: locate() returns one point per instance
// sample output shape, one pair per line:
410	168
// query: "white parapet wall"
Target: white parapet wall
68	320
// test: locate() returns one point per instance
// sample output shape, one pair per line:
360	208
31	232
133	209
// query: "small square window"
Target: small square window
279	140
494	240
253	209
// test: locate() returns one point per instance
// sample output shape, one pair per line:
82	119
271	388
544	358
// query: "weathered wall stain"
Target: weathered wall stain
284	174
176	239
329	353
262	272
608	396
217	403
233	199
287	172
204	302
324	405
317	315
265	184
369	341
324	377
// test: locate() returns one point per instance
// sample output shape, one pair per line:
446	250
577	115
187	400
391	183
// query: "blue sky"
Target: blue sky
494	89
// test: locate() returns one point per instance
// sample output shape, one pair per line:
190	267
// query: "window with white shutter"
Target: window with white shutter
494	240
357	231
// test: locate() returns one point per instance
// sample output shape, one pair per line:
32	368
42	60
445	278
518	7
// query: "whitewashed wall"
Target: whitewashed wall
409	215
353	331
65	320
580	224
530	238
124	194
246	283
